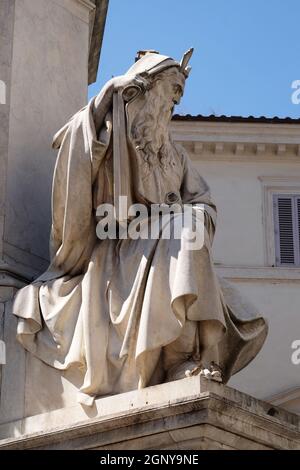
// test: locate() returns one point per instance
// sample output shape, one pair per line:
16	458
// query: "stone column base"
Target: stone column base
191	414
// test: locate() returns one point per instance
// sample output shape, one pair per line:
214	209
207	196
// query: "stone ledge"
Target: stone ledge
192	413
277	274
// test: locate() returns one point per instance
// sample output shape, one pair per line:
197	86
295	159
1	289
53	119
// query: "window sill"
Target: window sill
259	273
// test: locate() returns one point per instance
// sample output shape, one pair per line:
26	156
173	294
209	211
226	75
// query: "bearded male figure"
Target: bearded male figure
132	312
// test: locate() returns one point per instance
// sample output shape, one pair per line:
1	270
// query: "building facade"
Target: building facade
252	166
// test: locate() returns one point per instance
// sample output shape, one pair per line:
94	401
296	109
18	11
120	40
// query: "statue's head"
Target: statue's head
151	63
158	85
153	70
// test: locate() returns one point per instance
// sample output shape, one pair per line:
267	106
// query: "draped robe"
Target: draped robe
124	310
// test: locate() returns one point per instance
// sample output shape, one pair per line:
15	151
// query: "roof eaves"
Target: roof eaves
245	119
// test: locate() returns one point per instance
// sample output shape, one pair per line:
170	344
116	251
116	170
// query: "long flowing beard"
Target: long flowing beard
150	134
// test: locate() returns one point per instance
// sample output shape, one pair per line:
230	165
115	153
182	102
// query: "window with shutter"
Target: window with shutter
287	229
298	221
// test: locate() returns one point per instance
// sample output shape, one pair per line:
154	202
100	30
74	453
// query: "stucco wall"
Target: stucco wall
237	191
239	242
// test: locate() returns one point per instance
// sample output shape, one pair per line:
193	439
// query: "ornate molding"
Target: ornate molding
239	141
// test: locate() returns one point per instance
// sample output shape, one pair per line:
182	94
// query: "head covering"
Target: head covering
151	63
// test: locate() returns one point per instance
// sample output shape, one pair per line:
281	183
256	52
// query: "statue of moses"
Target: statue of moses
136	311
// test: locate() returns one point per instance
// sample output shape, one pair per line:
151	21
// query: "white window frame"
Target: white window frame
275	185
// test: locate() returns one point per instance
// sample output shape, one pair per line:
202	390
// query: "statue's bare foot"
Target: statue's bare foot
212	373
185	369
191	368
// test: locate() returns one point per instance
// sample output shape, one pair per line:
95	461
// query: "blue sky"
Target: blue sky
247	52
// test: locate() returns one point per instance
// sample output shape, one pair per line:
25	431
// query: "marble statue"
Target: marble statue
129	313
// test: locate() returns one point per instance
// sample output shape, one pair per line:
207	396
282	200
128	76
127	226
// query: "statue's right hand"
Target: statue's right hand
125	81
129	84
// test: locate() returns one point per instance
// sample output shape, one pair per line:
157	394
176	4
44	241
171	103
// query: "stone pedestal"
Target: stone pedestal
192	414
49	52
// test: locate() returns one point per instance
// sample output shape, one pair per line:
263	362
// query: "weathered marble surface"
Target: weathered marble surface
29	386
48	84
2	345
189	414
13	392
6	35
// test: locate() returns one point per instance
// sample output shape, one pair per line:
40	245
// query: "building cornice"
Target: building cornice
238	141
284	397
244	119
97	25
